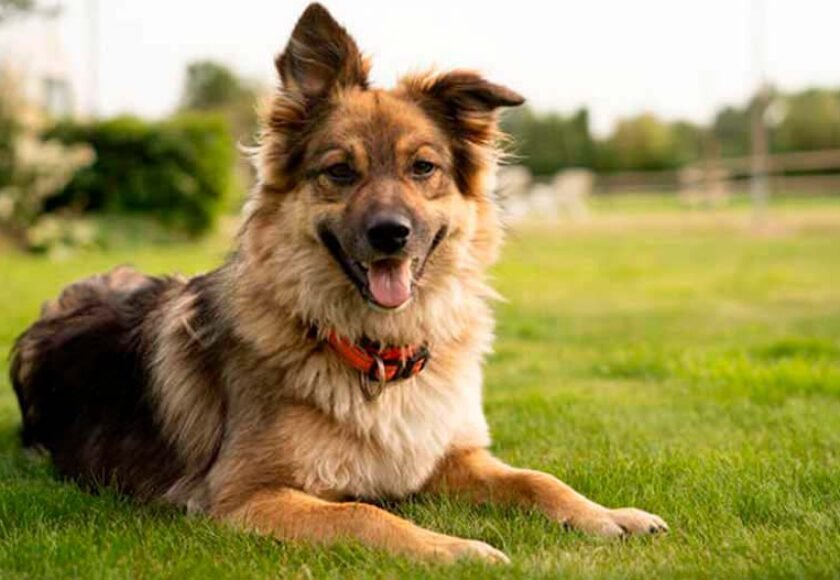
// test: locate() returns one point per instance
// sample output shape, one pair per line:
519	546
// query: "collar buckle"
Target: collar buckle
378	365
373	382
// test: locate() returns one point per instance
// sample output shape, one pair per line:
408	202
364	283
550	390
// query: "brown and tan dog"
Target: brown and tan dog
336	355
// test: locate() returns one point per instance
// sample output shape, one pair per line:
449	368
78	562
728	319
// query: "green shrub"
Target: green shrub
8	131
177	170
32	170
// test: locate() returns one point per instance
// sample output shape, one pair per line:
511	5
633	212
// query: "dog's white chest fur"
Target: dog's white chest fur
388	447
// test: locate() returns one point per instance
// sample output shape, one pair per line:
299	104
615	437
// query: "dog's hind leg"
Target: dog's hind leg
289	514
477	475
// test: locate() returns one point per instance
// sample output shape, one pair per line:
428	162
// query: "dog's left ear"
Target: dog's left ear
465	105
466	91
320	56
464	100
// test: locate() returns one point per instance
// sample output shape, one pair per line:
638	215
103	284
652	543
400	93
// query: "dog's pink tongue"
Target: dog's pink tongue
390	282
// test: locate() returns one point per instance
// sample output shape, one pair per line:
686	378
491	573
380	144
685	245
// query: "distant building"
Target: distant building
33	51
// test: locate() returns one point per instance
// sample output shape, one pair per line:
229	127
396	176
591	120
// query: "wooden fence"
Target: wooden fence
801	172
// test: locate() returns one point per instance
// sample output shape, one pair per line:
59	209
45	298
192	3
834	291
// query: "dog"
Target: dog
335	358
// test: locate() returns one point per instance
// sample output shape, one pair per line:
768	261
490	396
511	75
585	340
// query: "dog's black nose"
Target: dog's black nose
389	233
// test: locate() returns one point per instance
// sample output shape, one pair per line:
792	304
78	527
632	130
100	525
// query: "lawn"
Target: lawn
678	362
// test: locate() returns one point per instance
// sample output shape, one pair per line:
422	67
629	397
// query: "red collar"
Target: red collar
379	364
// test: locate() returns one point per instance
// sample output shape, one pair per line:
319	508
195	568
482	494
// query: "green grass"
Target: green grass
691	368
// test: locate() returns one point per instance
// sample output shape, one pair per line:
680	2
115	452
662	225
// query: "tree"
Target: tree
210	85
811	122
688	142
547	143
731	129
641	143
213	87
11	8
9	127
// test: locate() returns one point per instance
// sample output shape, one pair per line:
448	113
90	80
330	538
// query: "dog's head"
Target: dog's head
388	185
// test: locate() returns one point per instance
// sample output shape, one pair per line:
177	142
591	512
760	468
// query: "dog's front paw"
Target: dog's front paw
452	549
617	523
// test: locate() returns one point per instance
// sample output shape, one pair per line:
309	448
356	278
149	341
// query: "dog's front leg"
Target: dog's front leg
476	474
289	514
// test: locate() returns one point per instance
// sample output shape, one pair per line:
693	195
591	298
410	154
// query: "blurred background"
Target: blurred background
119	120
671	337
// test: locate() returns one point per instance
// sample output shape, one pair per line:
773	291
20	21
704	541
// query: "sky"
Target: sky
677	58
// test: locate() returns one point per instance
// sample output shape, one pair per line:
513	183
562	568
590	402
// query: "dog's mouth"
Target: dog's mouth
386	283
389	282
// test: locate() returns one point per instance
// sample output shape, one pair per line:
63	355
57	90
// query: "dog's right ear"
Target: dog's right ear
320	57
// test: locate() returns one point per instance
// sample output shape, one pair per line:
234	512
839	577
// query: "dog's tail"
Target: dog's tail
42	355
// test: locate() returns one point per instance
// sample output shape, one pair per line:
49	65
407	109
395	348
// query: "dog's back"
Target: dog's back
80	381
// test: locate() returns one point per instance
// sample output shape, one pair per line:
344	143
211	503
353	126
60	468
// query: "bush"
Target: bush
9	127
178	170
31	171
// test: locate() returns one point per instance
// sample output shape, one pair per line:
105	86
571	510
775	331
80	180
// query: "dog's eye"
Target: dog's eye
340	173
421	169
